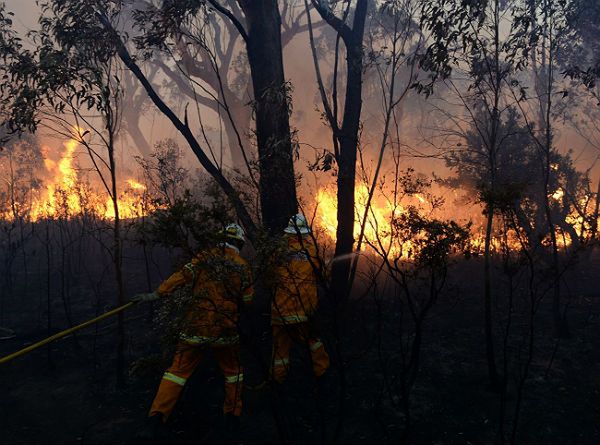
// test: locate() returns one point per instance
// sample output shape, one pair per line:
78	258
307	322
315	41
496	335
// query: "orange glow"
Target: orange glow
130	206
61	188
378	229
65	195
558	194
135	185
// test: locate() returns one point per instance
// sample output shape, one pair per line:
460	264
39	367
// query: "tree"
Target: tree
467	36
582	65
73	83
345	135
71	21
211	69
542	34
271	105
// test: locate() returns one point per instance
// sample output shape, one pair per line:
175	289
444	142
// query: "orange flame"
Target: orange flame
135	185
61	187
66	196
378	229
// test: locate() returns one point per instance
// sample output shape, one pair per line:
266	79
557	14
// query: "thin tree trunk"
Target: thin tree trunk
48	293
117	255
560	323
487	299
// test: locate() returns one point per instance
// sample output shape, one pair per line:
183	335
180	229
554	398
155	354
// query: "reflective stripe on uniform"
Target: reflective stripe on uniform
191	267
247	297
281	362
234	378
203	340
173	378
316	345
230	246
289	319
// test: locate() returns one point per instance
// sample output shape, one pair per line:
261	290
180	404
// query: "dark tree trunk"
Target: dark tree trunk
487	301
271	108
348	137
117	254
346	141
48	249
277	182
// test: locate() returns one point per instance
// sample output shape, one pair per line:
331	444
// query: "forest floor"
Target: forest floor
73	398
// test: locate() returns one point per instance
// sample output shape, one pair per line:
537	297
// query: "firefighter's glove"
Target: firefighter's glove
139	298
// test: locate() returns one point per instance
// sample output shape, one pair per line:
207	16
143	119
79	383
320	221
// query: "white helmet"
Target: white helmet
235	232
297	224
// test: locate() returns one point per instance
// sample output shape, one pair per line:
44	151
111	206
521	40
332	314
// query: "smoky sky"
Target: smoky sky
305	117
26	13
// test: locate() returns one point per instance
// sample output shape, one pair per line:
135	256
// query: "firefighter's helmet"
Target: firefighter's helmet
234	232
297	224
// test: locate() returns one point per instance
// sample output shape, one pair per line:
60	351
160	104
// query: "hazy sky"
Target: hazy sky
26	12
301	73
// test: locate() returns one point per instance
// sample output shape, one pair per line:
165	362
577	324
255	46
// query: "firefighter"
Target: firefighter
295	300
220	282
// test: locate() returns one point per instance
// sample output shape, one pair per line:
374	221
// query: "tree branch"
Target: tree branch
185	131
336	23
226	12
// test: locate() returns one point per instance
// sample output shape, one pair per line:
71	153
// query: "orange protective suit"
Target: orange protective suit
220	282
295	300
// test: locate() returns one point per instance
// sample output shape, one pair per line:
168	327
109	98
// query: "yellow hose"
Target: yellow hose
66	332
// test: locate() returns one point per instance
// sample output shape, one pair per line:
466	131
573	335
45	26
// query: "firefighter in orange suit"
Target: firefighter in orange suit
220	282
295	300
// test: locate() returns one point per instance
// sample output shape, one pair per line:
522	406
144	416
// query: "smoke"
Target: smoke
418	127
26	12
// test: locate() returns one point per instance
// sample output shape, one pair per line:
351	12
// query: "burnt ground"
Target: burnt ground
73	399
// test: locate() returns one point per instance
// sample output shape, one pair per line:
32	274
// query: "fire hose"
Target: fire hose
66	332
